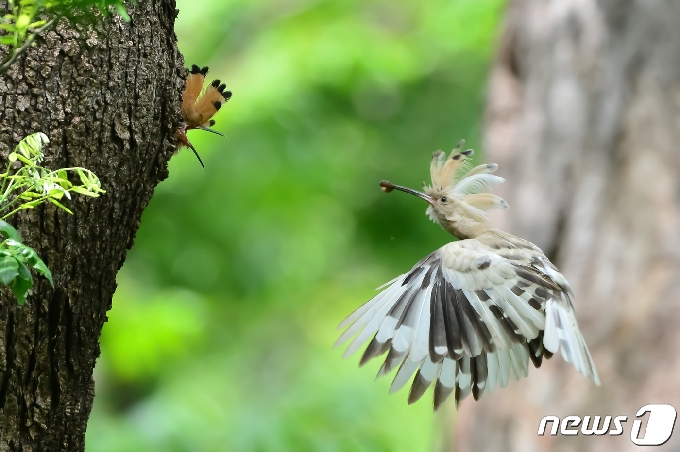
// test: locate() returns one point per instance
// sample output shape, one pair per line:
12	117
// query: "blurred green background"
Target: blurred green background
221	332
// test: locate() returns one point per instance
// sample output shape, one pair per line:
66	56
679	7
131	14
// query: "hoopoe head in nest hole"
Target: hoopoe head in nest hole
198	108
456	193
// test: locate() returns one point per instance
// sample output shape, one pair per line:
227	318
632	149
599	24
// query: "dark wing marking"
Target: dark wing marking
467	326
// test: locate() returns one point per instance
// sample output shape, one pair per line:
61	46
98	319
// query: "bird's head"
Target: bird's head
457	190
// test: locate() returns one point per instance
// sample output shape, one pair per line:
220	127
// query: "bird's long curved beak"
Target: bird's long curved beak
387	187
208	129
181	135
195	153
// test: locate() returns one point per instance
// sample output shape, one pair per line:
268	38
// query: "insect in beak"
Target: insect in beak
387	187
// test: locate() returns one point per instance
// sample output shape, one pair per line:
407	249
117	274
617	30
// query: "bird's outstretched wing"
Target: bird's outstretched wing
468	318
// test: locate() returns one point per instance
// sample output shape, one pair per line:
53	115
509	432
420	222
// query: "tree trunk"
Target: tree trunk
582	117
106	93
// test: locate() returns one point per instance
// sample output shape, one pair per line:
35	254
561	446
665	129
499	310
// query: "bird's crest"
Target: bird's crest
199	106
454	176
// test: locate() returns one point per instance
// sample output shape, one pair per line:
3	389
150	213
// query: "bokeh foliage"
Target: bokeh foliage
221	332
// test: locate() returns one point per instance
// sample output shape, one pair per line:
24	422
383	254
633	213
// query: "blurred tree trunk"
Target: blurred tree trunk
106	94
582	117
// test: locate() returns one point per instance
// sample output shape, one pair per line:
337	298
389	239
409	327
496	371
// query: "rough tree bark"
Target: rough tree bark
106	94
582	116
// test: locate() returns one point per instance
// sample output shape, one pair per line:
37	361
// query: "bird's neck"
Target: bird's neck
464	228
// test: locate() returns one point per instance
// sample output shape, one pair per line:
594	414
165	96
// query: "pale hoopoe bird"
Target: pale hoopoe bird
198	109
475	311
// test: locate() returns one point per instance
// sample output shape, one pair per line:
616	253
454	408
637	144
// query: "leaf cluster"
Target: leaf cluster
21	25
64	7
31	185
26	185
15	260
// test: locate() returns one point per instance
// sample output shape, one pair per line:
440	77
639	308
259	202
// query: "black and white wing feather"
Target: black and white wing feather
468	318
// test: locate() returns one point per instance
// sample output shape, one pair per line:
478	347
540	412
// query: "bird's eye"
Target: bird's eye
443	199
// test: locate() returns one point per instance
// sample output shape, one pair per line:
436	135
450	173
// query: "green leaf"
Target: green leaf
83	177
30	195
56	179
9	269
24	159
34	203
41	268
21	297
8	231
123	12
22	253
7	40
84	191
25	273
26	252
23	21
58	204
55	193
22	284
36	24
31	146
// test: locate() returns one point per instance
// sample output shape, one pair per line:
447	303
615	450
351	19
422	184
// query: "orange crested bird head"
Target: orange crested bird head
198	106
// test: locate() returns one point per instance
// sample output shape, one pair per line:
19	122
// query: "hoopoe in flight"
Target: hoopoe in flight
198	111
475	311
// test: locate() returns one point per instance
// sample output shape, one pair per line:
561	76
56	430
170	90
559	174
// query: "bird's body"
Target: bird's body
475	311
